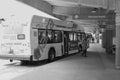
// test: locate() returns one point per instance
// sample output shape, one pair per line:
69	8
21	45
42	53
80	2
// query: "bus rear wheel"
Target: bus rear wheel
51	55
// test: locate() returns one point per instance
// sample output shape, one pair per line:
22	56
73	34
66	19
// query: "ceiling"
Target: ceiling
63	3
82	12
89	3
82	9
70	8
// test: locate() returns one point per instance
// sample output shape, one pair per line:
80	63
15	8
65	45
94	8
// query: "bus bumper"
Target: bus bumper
16	57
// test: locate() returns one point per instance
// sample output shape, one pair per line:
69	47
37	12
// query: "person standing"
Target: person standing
84	53
85	47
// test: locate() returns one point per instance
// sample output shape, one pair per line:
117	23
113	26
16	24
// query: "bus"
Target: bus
39	38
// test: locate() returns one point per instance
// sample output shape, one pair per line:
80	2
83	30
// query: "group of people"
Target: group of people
91	37
95	38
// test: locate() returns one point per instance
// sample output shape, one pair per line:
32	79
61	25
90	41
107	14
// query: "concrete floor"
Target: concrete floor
97	66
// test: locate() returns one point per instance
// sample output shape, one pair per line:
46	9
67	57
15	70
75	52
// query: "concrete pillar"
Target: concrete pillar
109	40
110	25
117	55
104	39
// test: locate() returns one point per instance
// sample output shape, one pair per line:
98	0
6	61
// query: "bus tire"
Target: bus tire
80	49
51	55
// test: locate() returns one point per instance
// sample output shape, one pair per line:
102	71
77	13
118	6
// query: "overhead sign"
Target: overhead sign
105	18
91	13
90	16
96	17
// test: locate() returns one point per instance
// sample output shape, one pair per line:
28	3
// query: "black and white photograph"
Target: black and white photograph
59	39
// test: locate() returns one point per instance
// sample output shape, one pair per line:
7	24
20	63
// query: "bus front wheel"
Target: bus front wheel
51	55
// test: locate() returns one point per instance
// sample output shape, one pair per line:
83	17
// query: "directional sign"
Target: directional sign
90	16
91	13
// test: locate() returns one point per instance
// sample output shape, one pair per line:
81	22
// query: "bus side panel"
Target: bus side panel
58	49
73	47
44	50
40	51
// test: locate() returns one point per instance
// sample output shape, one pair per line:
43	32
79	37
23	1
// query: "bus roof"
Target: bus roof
42	22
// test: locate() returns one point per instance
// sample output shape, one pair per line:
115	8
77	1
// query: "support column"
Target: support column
110	22
109	40
117	55
104	39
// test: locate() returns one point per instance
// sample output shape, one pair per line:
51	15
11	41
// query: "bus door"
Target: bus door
65	43
73	42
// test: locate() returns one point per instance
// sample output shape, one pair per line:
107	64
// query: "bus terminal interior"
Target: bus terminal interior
99	18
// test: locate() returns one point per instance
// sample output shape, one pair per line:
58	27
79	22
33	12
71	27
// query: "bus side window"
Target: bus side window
58	36
79	37
71	36
83	37
41	36
75	37
49	34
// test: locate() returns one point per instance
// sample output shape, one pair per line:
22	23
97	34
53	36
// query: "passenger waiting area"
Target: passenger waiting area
97	66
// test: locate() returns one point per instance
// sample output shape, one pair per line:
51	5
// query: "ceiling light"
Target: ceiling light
76	16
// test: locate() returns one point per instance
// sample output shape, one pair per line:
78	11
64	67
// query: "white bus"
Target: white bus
39	38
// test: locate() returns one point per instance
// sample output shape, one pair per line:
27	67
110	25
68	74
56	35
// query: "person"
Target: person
85	50
92	39
84	53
